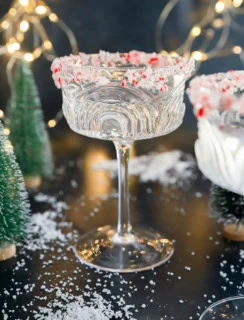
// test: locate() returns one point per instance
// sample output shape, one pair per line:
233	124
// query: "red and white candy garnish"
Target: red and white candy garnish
220	91
139	69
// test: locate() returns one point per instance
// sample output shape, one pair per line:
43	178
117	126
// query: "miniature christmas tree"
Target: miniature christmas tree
14	206
28	134
229	207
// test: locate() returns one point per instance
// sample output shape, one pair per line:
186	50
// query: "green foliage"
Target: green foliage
28	134
226	205
14	206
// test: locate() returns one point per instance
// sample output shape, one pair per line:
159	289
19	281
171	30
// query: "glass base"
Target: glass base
140	250
228	309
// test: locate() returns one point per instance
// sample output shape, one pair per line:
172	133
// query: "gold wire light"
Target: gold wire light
220	17
23	17
27	15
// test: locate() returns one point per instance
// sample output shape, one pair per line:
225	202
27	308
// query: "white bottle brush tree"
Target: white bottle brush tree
28	133
14	205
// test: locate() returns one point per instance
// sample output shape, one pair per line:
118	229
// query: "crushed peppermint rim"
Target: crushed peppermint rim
219	91
135	68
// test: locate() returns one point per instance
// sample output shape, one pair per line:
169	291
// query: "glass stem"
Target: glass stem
123	154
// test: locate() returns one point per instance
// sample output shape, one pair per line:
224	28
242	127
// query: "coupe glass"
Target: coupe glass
123	97
218	103
226	309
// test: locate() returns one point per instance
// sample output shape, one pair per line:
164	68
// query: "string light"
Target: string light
220	17
41	9
47	44
12	45
53	17
20	36
174	53
5	24
24	2
1	114
199	55
26	16
29	57
52	123
237	50
24	25
12	12
196	31
6	131
218	23
237	3
219	7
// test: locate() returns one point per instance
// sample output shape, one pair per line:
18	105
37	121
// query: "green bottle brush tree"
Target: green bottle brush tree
28	133
14	206
228	207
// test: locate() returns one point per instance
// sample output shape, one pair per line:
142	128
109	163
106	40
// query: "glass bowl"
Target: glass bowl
227	309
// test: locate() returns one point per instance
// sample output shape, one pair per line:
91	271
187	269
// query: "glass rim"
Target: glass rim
222	92
66	62
135	67
121	68
234	298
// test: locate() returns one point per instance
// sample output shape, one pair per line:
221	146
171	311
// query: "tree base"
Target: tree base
233	233
7	252
33	182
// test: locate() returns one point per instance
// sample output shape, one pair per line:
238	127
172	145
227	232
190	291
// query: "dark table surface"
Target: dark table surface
199	272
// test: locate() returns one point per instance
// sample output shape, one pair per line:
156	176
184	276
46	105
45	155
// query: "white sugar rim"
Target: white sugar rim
133	65
67	60
217	92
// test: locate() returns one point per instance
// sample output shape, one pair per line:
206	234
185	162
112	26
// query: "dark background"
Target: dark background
115	25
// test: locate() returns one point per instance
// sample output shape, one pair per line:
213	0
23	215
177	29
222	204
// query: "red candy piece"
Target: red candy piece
200	113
